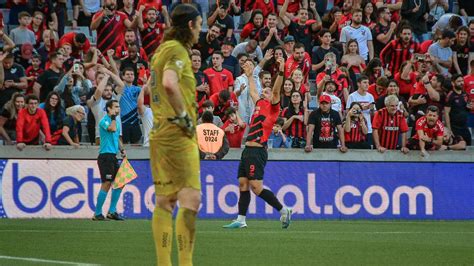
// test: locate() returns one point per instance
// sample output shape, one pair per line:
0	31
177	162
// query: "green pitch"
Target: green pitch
27	242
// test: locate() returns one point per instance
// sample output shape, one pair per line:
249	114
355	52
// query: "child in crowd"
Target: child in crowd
209	106
33	72
234	128
278	139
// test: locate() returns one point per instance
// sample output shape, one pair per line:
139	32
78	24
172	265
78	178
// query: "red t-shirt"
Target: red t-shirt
219	80
469	87
157	4
406	86
235	139
30	72
262	121
266	8
434	132
69	38
425	45
374	93
220	109
293	6
28	126
304	65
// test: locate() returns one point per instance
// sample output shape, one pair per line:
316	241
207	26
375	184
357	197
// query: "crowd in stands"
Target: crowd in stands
358	74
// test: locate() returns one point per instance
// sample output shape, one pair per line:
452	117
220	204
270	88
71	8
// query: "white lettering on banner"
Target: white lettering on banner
385	201
149	196
209	191
136	197
339	200
412	194
221	196
312	204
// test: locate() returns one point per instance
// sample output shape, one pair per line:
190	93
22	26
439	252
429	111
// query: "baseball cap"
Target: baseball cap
289	38
324	98
26	50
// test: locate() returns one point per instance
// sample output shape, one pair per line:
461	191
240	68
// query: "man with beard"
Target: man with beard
332	70
270	36
383	30
301	30
450	142
400	50
110	26
50	78
429	132
329	88
130	38
387	125
219	77
441	53
80	45
324	124
457	109
300	59
103	93
134	62
359	32
208	42
219	14
151	31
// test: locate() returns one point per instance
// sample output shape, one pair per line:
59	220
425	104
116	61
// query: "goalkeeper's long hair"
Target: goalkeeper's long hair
179	29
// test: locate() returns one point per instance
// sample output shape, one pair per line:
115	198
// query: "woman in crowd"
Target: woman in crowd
353	61
294	115
373	70
393	89
368	14
73	86
462	51
355	128
298	78
8	117
272	64
288	87
55	113
71	126
252	28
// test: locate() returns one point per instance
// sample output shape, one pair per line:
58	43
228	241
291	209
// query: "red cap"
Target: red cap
324	98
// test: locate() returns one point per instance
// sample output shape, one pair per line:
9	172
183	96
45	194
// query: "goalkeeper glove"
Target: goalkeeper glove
184	122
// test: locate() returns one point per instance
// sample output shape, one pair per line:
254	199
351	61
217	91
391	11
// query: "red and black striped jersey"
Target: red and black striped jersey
395	53
151	37
355	135
110	33
297	128
262	121
389	127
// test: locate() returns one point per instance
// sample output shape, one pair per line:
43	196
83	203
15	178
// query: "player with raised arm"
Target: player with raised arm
174	153
254	156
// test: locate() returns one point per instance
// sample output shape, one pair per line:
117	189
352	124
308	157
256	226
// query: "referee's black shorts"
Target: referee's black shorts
108	166
252	163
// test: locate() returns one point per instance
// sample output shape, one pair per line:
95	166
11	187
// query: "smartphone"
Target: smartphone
420	57
75	68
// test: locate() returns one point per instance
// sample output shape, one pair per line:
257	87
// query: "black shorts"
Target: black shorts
131	134
252	163
108	166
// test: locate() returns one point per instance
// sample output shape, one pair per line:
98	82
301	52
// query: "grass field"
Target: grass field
263	243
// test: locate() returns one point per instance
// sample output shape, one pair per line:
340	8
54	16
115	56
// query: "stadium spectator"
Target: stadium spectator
366	100
355	128
451	142
448	21
353	61
294	121
32	72
250	47
110	26
7	43
151	31
136	63
400	50
270	36
128	8
234	128
208	42
22	34
31	120
379	88
393	89
373	70
78	42
9	116
393	5
209	106
441	53
277	138
361	33
437	9
271	65
416	13
368	14
219	14
48	80
212	141
55	114
84	11
388	124
252	28
431	91
429	132
219	77
71	128
319	52
300	85
469	89
23	54
190	2
288	87
246	105
130	37
384	29
325	128
73	85
202	82
223	100
131	132
230	62
37	27
146	115
463	51
289	44
49	45
14	78
456	109
299	59
303	29
328	88
334	73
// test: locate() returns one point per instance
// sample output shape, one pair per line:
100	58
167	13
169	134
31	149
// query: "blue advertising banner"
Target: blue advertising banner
315	190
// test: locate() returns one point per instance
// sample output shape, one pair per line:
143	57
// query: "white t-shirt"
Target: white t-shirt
99	110
147	122
362	34
365	99
336	103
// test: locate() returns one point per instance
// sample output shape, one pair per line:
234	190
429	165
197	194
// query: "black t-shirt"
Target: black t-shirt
73	130
25	63
14	73
206	48
325	133
379	29
10	124
318	56
263	34
226	23
127	62
48	80
302	33
459	112
232	64
462	54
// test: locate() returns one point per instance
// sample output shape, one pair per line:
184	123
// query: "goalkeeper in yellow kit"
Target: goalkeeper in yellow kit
174	153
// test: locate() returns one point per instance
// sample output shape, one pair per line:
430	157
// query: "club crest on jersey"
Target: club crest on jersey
117	18
157	31
179	63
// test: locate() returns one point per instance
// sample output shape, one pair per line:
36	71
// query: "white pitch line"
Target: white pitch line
46	261
249	231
